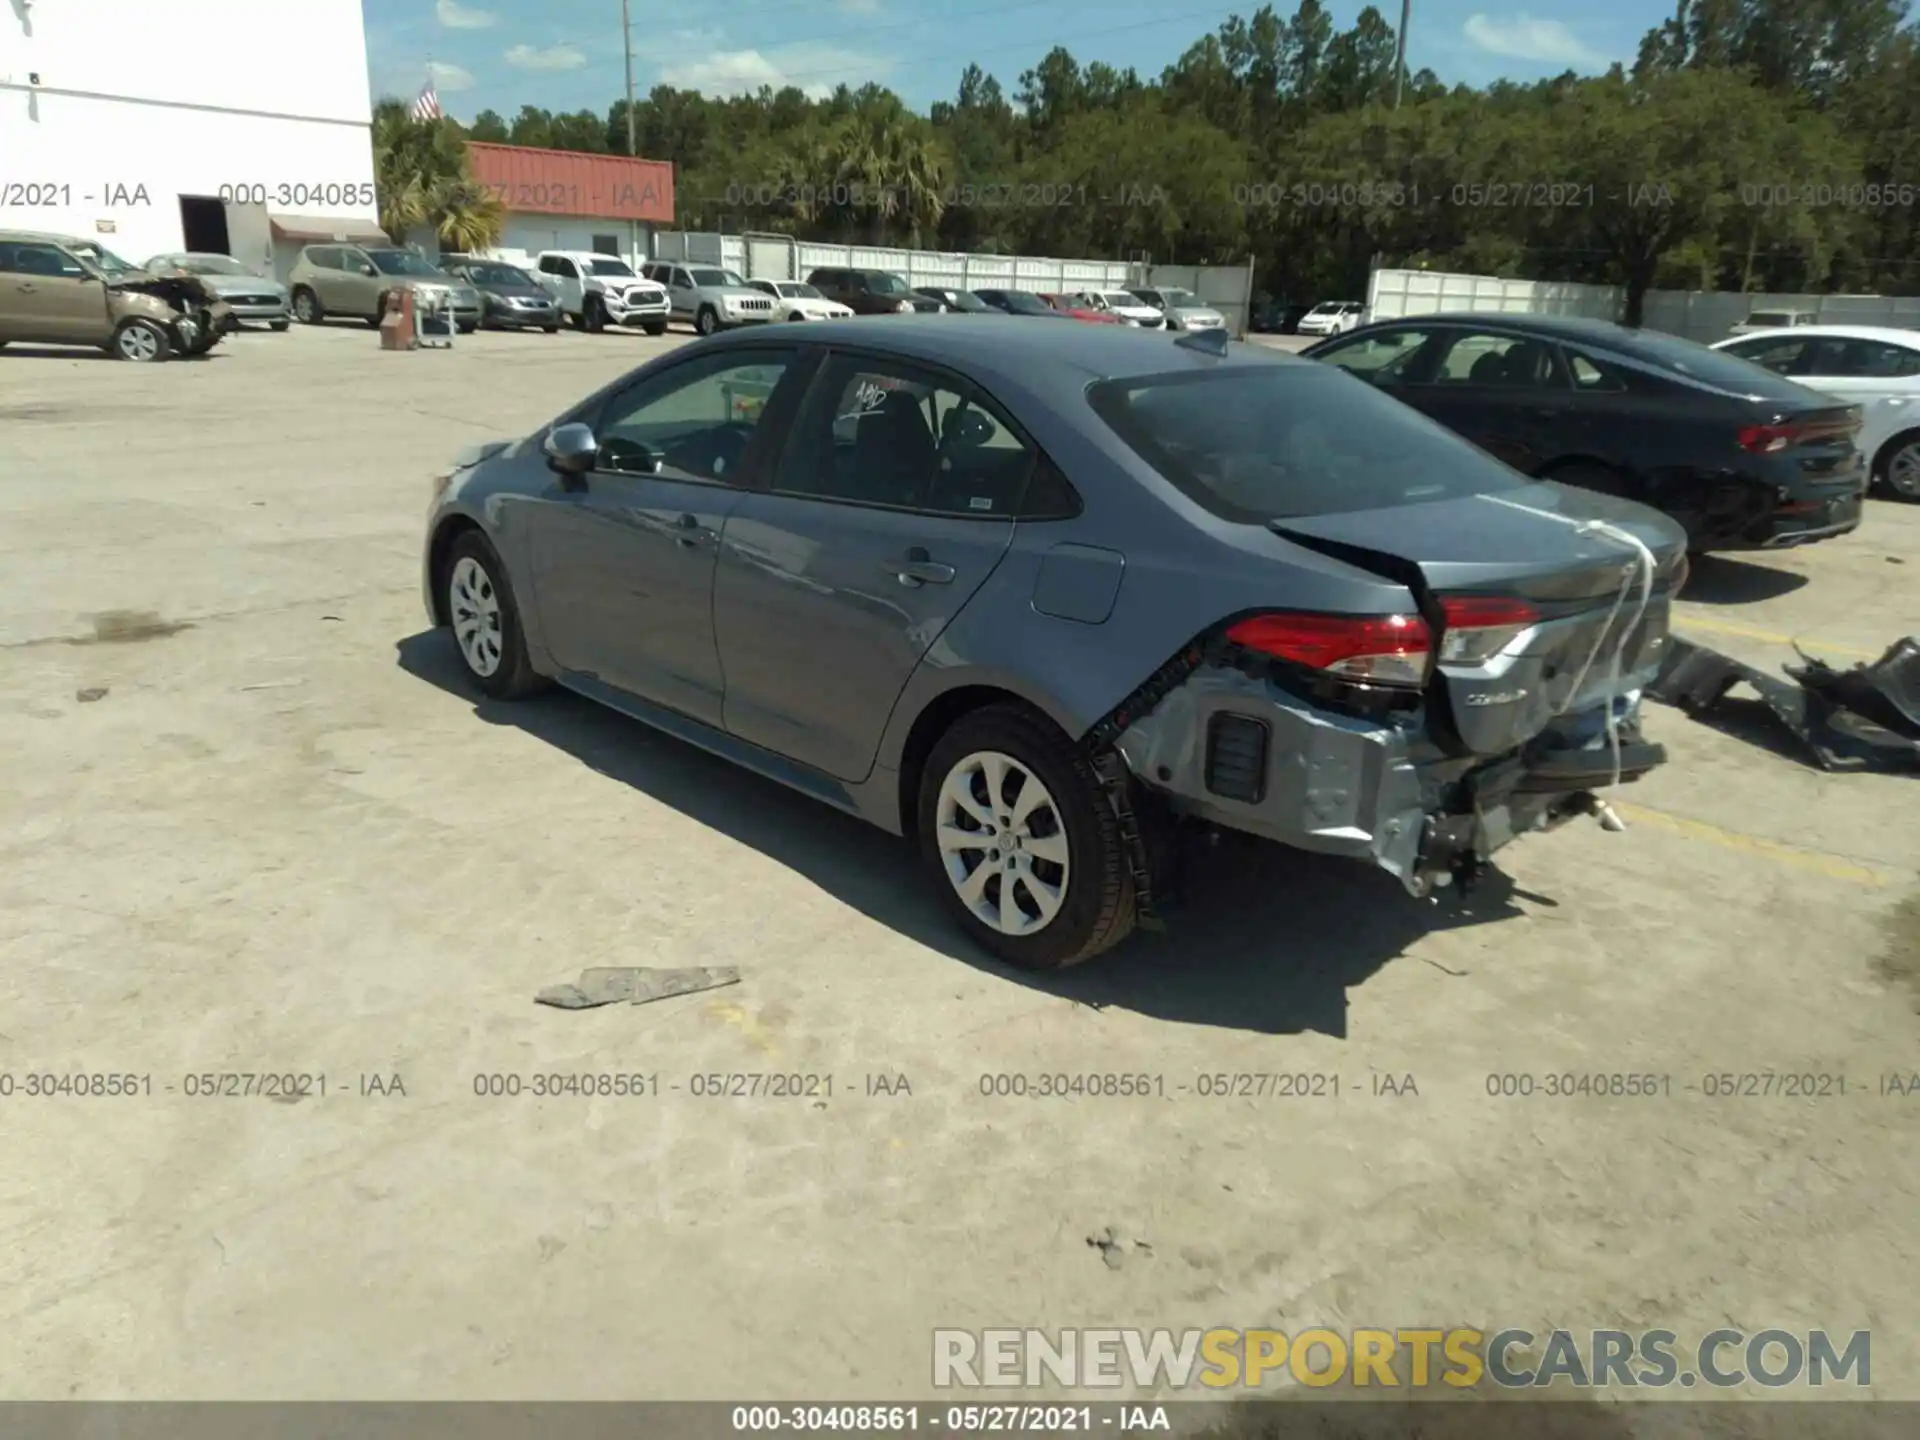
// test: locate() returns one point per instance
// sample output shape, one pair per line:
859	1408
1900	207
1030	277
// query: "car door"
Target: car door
1880	376
48	295
1509	394
561	276
888	509
622	557
359	291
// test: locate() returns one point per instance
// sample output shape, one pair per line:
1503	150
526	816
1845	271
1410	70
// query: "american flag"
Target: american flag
427	107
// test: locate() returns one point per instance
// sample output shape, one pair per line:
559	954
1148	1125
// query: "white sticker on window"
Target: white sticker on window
980	502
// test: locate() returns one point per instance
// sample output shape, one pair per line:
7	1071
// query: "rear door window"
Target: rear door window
1259	443
1510	362
1721	369
1781	354
1383	356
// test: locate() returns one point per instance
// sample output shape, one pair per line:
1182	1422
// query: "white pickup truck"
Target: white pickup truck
595	291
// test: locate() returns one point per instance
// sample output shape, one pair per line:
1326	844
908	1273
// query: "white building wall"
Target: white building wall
111	110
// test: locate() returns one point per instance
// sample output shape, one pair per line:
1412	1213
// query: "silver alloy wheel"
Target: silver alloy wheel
1903	471
138	342
303	308
1003	843
475	606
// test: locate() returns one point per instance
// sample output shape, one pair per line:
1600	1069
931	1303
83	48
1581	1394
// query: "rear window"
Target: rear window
1770	317
1719	368
1283	441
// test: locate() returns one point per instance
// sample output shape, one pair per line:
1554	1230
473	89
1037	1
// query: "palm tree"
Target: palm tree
423	179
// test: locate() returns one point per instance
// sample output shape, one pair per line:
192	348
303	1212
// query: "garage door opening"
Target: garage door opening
203	225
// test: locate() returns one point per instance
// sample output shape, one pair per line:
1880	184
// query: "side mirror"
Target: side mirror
571	449
368	270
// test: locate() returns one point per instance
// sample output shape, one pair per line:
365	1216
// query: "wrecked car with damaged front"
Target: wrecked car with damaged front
1048	608
62	290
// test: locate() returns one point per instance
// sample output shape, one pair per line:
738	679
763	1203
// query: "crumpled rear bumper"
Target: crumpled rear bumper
1240	752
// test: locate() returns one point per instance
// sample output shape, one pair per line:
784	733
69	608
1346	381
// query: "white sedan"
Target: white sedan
1874	368
796	301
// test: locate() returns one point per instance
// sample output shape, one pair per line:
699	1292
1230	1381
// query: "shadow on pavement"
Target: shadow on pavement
1722	580
1266	939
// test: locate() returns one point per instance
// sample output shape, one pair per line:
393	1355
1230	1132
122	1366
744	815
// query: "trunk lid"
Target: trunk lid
1518	545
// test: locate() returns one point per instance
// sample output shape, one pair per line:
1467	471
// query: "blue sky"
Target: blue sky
566	54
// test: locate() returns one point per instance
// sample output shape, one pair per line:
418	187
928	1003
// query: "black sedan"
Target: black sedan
512	298
1743	458
1018	302
964	302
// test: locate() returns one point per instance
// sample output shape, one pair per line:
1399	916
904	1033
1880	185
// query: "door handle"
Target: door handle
692	532
920	568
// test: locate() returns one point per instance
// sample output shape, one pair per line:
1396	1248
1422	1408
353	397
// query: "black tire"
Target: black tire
550	329
514	677
468	328
656	327
307	308
1097	911
1597	478
375	319
593	315
795	318
707	322
141	341
1904	484
278	326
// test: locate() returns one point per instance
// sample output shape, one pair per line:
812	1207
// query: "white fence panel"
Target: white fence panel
762	256
1702	315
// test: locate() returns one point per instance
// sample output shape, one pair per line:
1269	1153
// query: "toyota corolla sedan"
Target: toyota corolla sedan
1032	605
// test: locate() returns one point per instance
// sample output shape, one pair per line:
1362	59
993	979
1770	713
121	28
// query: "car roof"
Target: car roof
1892	335
969	342
1554	327
45	237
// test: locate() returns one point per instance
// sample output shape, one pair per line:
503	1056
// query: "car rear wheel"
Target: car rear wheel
485	620
656	327
277	325
1900	466
550	329
141	341
1022	842
306	307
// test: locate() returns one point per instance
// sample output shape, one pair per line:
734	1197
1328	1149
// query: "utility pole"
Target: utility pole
1399	53
626	41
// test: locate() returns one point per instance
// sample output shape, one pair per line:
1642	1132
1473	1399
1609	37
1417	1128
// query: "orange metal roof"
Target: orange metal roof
567	182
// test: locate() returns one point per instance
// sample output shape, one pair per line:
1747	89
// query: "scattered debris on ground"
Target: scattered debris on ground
1865	718
613	985
1114	1247
90	694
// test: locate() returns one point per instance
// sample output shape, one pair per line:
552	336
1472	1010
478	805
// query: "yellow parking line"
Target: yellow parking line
1771	637
1834	867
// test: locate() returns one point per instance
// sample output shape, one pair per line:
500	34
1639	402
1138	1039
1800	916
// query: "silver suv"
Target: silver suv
352	280
712	297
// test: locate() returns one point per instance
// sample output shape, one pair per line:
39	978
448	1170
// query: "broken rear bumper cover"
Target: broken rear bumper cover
1242	753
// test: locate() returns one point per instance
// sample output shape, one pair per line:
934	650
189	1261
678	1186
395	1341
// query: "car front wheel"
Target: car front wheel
1022	842
306	307
709	321
141	341
485	620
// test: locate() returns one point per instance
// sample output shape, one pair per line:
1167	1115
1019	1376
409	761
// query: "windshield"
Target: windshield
881	283
1120	299
799	292
611	267
1271	442
963	300
706	278
1025	303
101	258
498	275
1176	299
401	262
210	265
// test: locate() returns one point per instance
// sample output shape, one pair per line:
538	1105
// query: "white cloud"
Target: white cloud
556	57
455	16
814	68
1521	37
449	78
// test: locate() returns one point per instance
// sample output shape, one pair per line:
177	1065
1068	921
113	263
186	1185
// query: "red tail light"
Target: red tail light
1768	439
1371	649
1479	627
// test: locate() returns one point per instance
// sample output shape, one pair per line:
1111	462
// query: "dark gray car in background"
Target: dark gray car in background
1043	606
510	298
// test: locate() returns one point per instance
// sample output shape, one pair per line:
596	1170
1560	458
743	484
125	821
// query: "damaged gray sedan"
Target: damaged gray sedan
1044	607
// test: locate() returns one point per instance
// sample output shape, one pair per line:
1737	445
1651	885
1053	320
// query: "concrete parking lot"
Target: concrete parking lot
256	823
